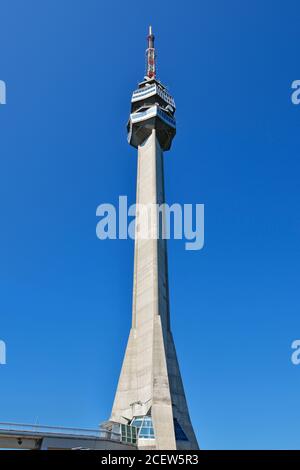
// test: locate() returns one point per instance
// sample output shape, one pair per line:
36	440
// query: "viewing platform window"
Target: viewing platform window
145	427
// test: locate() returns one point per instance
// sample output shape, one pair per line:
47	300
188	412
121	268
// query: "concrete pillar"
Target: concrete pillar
150	380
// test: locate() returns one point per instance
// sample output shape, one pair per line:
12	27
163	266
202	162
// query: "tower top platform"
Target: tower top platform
152	107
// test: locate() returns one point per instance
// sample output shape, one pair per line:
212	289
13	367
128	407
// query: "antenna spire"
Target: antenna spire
151	56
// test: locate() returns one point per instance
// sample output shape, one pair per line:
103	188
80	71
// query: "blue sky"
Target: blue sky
65	300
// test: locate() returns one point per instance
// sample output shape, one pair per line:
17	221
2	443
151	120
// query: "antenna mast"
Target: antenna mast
150	54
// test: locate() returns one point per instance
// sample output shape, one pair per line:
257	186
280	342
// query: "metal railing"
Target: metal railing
14	428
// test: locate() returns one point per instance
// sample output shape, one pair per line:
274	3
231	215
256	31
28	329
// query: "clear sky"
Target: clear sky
65	302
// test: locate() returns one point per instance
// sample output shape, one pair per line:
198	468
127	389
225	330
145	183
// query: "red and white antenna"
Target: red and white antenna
150	55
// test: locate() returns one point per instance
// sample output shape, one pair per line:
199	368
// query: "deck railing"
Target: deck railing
100	433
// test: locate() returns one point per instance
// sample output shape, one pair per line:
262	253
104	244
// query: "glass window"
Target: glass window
144	427
128	434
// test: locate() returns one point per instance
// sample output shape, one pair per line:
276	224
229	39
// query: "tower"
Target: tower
150	393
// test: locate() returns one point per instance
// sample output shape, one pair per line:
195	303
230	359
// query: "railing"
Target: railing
147	89
151	112
39	429
143	92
